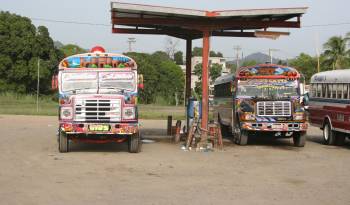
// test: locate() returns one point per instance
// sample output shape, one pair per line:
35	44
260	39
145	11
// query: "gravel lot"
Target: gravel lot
264	172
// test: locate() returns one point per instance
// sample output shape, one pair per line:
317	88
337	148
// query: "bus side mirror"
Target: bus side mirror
54	82
306	99
140	82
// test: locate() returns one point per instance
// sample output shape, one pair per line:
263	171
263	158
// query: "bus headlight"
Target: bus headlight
247	116
129	113
66	113
299	116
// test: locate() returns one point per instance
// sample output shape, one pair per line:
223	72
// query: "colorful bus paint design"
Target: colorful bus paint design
98	104
265	98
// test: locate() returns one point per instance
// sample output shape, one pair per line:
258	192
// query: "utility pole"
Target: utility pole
131	41
270	54
317	52
37	87
237	49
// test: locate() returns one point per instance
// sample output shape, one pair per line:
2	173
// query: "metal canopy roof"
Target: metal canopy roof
190	23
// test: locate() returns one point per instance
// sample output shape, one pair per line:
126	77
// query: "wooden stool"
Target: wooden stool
213	134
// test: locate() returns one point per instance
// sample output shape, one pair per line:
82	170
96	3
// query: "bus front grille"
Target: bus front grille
274	108
97	110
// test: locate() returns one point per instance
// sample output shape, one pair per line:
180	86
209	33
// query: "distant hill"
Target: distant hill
258	57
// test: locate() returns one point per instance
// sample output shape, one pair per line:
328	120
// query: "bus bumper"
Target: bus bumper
100	128
275	127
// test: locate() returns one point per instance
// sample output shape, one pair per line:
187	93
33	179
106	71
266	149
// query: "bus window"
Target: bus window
334	91
313	90
339	91
329	90
324	87
318	91
223	90
345	91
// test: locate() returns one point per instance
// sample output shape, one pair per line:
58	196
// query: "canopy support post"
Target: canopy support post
205	79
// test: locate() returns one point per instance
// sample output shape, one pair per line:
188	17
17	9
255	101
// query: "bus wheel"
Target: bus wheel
299	139
242	138
134	143
63	143
328	134
340	139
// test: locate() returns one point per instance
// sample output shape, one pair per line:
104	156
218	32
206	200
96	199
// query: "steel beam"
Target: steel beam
207	23
149	31
183	34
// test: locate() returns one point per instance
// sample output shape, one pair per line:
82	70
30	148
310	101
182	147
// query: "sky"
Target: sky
306	39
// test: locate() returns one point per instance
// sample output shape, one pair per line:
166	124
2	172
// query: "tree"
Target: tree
335	52
162	77
214	54
305	64
198	51
150	75
22	45
249	63
159	56
72	49
171	45
178	58
214	72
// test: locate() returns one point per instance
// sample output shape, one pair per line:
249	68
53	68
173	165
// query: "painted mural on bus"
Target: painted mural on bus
265	98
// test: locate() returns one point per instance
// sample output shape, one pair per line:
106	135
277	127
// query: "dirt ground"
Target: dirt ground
264	172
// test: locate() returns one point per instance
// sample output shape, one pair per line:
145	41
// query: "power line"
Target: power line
324	25
70	22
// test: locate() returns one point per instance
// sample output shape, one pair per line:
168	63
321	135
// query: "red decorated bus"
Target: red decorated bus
329	105
265	98
98	99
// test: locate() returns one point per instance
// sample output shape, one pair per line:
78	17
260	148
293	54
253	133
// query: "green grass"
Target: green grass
16	104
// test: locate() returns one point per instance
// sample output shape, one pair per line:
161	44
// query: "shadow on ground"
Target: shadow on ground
319	140
89	147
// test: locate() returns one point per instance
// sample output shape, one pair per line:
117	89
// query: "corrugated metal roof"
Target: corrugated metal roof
190	23
182	12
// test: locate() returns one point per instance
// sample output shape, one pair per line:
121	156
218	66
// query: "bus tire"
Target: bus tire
299	139
328	134
340	139
63	143
242	138
134	143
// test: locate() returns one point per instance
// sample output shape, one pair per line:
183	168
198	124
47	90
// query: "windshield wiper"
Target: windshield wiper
78	89
121	90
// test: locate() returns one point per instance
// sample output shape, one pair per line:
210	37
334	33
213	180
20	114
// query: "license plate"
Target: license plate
102	128
277	126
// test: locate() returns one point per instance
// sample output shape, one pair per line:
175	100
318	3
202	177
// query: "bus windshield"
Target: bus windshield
267	88
101	82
